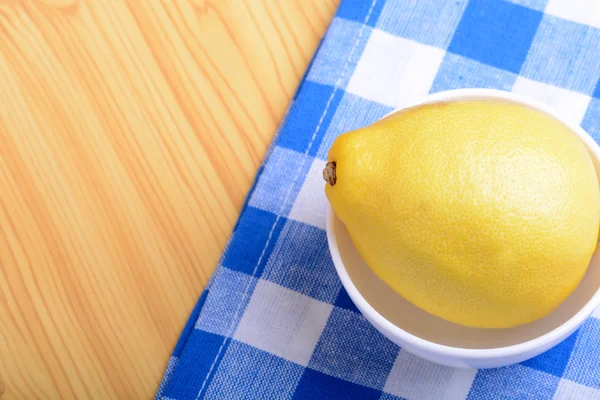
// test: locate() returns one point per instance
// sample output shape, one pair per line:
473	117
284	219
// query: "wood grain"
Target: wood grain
130	132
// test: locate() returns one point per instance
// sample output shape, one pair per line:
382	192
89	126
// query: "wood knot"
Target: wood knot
329	173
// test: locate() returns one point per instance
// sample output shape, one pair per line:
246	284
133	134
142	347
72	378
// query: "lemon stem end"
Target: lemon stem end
329	173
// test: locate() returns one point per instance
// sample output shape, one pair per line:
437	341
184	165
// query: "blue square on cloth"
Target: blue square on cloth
249	373
201	351
252	242
597	91
344	301
352	349
591	120
353	112
280	181
230	292
300	261
458	72
315	106
564	54
315	385
497	33
387	396
514	382
584	365
365	12
430	22
334	64
539	5
554	361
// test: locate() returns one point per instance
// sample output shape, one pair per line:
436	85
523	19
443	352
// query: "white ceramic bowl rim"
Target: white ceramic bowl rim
539	342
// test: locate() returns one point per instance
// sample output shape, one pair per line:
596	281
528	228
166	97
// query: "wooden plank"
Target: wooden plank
130	132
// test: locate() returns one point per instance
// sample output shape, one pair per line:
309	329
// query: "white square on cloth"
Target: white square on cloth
581	11
310	206
569	390
395	71
283	322
413	378
572	104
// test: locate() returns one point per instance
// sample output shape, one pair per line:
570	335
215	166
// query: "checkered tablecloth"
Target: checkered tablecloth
274	321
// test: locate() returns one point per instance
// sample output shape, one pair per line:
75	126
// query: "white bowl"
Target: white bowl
444	342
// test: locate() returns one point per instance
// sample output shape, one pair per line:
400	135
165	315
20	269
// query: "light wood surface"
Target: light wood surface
130	132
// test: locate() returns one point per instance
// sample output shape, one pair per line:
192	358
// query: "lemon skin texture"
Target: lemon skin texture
483	213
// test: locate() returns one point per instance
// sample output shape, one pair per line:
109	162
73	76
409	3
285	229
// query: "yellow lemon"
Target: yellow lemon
483	213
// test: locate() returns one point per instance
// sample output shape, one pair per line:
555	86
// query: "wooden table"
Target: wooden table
130	132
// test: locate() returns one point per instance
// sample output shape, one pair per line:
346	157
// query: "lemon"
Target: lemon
483	213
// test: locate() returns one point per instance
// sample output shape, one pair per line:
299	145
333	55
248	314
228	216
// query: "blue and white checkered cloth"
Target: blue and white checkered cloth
274	321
